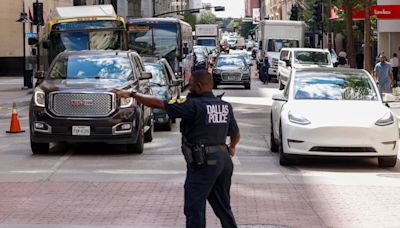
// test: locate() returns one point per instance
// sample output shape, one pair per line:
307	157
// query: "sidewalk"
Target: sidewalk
10	91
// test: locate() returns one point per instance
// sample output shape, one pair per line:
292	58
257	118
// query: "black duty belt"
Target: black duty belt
215	149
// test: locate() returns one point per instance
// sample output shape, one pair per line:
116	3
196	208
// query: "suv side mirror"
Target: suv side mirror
39	74
46	44
146	76
32	41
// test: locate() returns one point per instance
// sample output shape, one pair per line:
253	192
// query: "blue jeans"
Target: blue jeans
384	87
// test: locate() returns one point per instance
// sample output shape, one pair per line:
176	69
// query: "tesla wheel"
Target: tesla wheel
387	161
137	147
167	126
274	145
173	120
148	136
247	86
281	85
40	148
283	159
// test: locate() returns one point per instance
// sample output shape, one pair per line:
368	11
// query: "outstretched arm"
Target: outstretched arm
150	101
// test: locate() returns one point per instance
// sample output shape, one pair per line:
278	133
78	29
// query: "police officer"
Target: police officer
206	122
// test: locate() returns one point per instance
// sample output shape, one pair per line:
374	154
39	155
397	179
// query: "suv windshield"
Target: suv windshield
312	57
160	77
230	61
92	67
333	86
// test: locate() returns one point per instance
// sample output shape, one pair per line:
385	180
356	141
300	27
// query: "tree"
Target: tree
367	36
190	18
245	28
349	31
207	18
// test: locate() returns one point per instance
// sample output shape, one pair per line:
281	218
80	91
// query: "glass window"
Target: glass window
235	61
330	86
312	57
206	42
154	39
94	67
160	76
275	45
283	55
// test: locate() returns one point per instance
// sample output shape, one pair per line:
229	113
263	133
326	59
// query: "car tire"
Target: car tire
138	147
148	136
281	85
247	86
40	148
283	159
274	146
173	120
387	161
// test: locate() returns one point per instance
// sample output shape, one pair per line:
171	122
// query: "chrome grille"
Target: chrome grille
231	76
82	104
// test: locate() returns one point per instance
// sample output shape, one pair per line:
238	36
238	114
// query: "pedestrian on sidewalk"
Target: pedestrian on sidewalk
206	122
383	75
264	68
394	63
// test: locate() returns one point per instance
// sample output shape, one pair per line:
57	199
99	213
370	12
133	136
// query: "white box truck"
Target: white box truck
207	35
278	34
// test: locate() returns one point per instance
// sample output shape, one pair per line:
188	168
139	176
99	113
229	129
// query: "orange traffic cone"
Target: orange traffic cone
14	126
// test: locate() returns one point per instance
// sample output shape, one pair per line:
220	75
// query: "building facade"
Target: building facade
277	9
249	5
389	30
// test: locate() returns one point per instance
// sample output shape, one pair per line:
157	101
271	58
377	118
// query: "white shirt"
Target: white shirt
394	62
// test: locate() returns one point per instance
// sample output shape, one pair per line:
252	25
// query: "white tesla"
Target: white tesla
333	112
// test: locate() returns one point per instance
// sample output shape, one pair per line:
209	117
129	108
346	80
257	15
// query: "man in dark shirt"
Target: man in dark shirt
206	121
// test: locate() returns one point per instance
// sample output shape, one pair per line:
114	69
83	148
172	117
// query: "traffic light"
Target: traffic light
38	13
317	13
219	8
294	13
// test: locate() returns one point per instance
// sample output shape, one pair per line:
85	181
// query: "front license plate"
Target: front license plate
81	130
231	78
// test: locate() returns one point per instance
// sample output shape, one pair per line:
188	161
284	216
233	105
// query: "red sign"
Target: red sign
378	11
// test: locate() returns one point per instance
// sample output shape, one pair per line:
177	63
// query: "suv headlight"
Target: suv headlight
386	120
217	71
298	119
126	102
39	97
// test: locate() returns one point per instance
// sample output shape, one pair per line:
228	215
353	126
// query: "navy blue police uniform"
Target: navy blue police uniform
207	121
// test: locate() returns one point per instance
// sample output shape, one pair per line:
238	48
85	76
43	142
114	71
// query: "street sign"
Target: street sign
30	35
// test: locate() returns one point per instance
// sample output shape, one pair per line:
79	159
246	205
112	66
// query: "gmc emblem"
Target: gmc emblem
81	102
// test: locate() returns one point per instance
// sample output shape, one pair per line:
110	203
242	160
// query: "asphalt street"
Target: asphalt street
95	185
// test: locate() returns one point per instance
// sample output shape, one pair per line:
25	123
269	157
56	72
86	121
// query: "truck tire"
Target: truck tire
40	148
148	136
138	147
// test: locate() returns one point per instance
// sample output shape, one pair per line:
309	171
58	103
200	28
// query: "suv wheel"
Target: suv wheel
167	126
247	86
215	86
40	148
387	161
283	159
137	147
148	136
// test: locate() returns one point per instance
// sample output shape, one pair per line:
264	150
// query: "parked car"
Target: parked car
164	85
333	112
292	58
201	59
231	70
254	51
76	101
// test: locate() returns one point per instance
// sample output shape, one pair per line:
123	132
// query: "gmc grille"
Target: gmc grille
231	76
82	104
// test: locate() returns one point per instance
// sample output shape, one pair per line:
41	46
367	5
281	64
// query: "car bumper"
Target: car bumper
341	141
272	71
105	129
218	80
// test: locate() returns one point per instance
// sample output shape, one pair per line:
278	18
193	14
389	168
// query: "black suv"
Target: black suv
75	101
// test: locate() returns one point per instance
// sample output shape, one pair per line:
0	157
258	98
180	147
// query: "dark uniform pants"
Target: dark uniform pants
210	182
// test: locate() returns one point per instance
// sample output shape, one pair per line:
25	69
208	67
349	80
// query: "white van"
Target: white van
291	58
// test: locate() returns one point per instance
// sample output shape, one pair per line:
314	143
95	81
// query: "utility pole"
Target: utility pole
330	46
38	48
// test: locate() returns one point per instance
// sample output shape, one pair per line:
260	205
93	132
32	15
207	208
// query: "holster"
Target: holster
194	154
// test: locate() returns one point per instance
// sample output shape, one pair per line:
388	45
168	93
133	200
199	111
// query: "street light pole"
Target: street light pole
38	48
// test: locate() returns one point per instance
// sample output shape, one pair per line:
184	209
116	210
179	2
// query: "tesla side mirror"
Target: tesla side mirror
146	76
46	44
39	74
279	97
32	41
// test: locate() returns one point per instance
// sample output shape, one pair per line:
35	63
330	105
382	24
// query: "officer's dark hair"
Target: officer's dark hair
203	77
